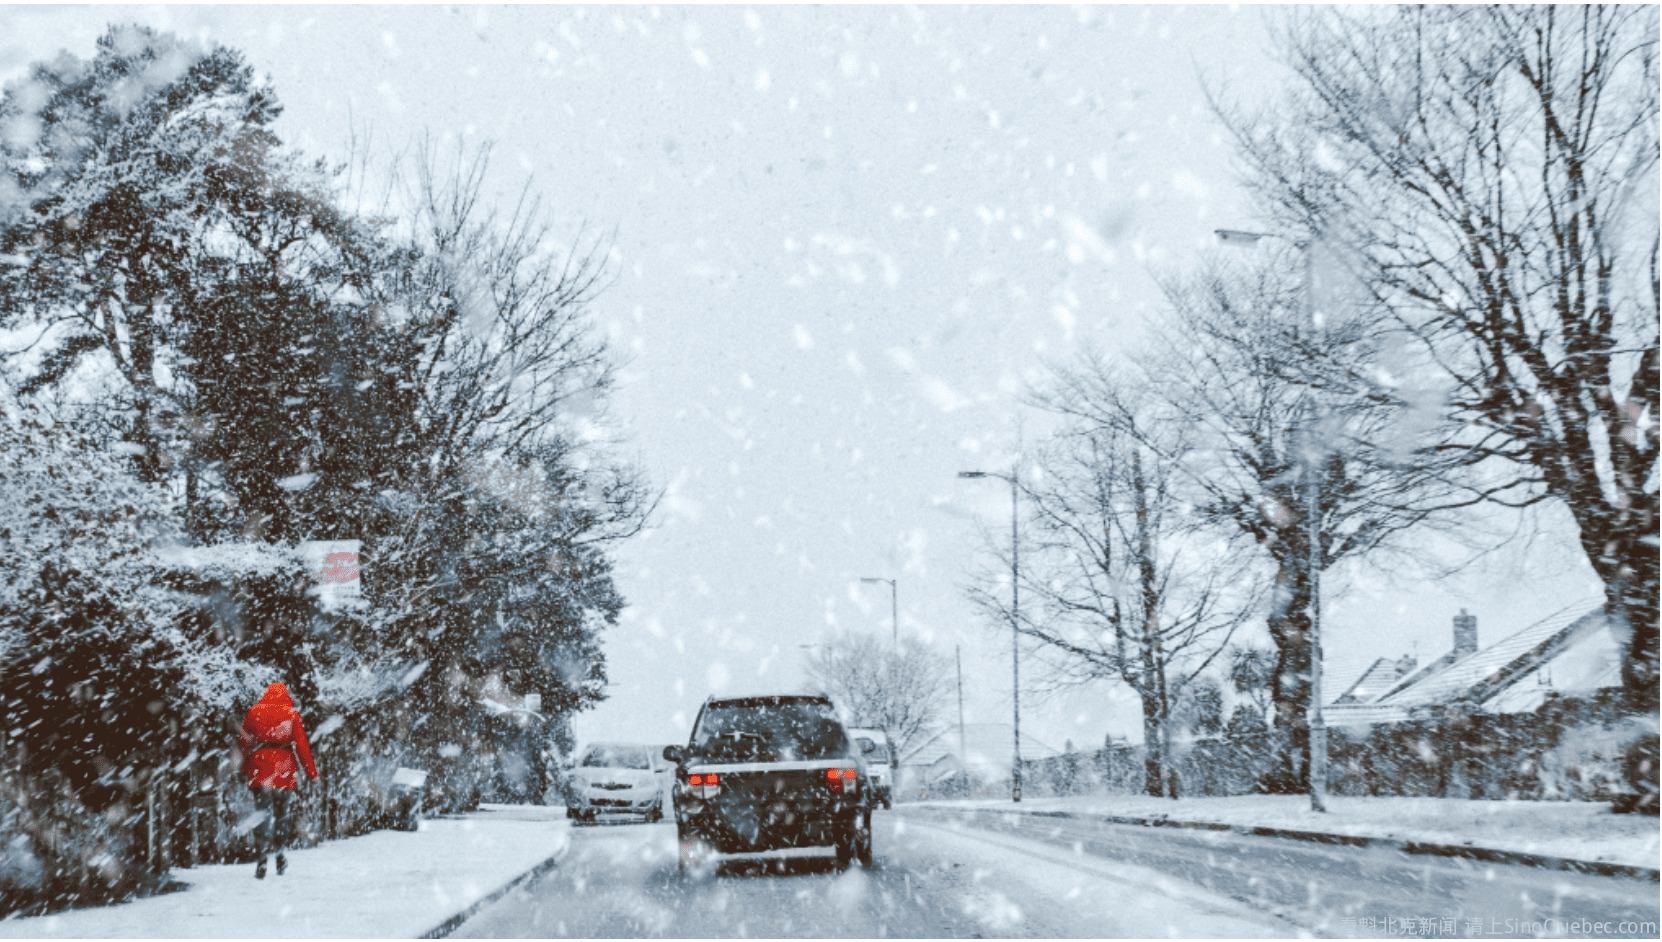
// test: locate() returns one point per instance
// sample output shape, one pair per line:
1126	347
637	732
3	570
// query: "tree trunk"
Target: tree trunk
152	829
1628	569
141	328
193	505
1153	686
1168	778
1171	778
1289	624
1153	747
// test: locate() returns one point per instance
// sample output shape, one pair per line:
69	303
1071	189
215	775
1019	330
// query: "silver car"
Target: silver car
616	778
879	753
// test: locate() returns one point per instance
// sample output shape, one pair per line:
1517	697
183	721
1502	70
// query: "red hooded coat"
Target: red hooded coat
270	737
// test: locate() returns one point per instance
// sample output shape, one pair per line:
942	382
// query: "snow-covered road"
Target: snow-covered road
1339	890
936	876
930	881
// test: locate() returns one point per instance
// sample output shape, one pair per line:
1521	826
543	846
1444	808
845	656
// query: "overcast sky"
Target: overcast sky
846	239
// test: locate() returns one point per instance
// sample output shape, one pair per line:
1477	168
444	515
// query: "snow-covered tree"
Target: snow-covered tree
191	280
901	689
503	491
424	380
297	391
117	175
1121	581
1492	172
1268	395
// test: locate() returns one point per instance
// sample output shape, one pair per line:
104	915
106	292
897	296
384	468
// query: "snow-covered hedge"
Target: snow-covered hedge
92	666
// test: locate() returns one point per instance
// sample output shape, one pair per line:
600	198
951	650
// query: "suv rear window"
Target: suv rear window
769	729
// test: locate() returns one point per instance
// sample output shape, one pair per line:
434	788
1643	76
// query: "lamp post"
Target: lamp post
1312	526
894	603
1015	633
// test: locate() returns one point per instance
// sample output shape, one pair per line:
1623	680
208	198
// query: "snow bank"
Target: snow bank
1578	830
388	884
231	559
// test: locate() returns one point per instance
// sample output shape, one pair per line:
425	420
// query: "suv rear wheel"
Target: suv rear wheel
856	842
693	852
862	848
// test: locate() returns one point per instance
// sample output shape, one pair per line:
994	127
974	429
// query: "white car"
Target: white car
879	755
616	778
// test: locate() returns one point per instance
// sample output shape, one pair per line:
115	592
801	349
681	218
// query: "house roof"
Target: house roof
1360	679
1478	677
1353	680
1340	675
1474	674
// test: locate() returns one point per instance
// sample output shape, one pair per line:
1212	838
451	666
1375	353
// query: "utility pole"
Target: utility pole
958	658
1015	621
1313	533
1015	641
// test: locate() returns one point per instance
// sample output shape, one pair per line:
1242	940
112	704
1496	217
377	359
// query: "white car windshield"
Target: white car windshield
616	757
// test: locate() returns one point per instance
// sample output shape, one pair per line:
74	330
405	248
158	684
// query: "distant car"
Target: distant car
616	778
764	773
874	745
664	770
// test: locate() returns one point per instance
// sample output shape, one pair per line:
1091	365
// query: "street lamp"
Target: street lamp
894	603
1015	634
1312	524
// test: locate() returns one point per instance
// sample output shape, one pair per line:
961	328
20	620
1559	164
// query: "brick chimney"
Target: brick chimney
1465	634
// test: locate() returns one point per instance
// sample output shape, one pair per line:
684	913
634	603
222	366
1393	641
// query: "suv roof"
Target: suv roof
768	699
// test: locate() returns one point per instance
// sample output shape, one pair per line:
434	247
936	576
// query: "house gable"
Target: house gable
1380	677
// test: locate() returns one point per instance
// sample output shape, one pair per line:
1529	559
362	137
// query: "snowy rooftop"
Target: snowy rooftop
1380	677
1468	672
1484	673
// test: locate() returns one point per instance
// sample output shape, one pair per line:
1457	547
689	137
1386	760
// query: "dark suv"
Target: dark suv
770	772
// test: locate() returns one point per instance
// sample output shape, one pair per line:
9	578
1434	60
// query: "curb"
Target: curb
450	925
1427	848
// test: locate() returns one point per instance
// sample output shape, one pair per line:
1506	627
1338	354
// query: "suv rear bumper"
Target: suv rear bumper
751	826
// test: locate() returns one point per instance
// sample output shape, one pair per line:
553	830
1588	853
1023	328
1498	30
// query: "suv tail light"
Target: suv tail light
705	784
835	779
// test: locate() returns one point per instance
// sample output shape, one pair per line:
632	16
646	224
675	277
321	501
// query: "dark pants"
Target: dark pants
271	835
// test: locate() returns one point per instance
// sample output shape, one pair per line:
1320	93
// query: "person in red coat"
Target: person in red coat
271	737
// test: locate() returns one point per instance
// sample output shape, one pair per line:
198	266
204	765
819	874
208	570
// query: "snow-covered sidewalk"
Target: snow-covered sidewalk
1573	830
386	884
